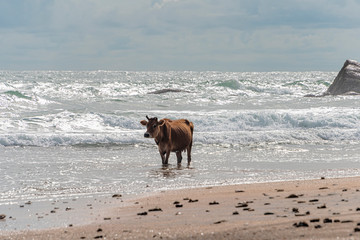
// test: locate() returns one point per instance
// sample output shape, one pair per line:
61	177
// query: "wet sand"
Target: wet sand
311	209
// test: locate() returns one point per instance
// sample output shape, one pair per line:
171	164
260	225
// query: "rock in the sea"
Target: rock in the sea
166	90
347	82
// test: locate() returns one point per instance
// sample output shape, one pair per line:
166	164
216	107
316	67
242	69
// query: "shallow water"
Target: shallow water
71	171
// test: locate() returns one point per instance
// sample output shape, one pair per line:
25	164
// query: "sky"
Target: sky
179	35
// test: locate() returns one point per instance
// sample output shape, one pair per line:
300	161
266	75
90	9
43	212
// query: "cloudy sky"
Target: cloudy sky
221	35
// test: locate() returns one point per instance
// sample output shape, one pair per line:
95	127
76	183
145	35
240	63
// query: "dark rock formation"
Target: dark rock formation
166	90
347	82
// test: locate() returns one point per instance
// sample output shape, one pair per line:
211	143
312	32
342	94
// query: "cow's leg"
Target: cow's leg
179	157
167	157
189	153
162	154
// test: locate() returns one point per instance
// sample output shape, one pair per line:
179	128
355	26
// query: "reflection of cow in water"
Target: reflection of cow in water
170	136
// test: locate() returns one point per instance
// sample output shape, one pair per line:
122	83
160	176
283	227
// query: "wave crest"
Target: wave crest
234	127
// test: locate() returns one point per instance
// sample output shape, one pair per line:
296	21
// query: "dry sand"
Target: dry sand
311	209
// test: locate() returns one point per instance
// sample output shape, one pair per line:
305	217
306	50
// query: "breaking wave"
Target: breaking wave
217	127
51	108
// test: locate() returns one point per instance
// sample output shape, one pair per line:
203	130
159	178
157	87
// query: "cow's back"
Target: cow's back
181	134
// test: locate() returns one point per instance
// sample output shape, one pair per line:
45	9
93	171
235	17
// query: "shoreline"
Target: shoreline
304	209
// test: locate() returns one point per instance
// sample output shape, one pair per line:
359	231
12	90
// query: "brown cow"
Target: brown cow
170	136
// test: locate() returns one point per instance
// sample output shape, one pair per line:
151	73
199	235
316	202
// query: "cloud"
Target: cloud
233	35
161	3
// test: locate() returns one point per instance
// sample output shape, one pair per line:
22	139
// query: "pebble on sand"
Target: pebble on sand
239	191
116	195
155	210
292	196
269	213
221	221
242	205
301	224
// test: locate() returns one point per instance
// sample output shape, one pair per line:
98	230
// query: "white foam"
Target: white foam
228	127
65	108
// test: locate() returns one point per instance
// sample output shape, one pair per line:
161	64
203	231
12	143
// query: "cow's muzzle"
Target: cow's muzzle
147	135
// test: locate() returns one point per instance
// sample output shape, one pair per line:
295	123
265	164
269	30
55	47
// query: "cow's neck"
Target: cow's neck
162	134
157	140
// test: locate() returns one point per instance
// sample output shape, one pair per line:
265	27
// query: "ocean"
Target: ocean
69	134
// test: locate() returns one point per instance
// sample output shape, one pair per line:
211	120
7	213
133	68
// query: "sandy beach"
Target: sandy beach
309	209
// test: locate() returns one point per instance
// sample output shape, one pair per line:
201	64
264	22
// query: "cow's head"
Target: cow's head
153	127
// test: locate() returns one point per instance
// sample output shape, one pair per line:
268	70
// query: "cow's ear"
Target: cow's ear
161	122
143	122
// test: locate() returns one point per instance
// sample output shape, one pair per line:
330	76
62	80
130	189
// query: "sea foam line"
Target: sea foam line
278	136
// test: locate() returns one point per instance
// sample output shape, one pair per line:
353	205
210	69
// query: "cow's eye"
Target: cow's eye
154	126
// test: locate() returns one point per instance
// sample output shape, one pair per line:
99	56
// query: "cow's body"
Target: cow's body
170	136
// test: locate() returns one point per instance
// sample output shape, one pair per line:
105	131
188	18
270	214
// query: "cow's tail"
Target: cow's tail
191	127
192	131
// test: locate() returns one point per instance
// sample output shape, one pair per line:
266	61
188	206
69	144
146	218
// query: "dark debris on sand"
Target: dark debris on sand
301	224
155	210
